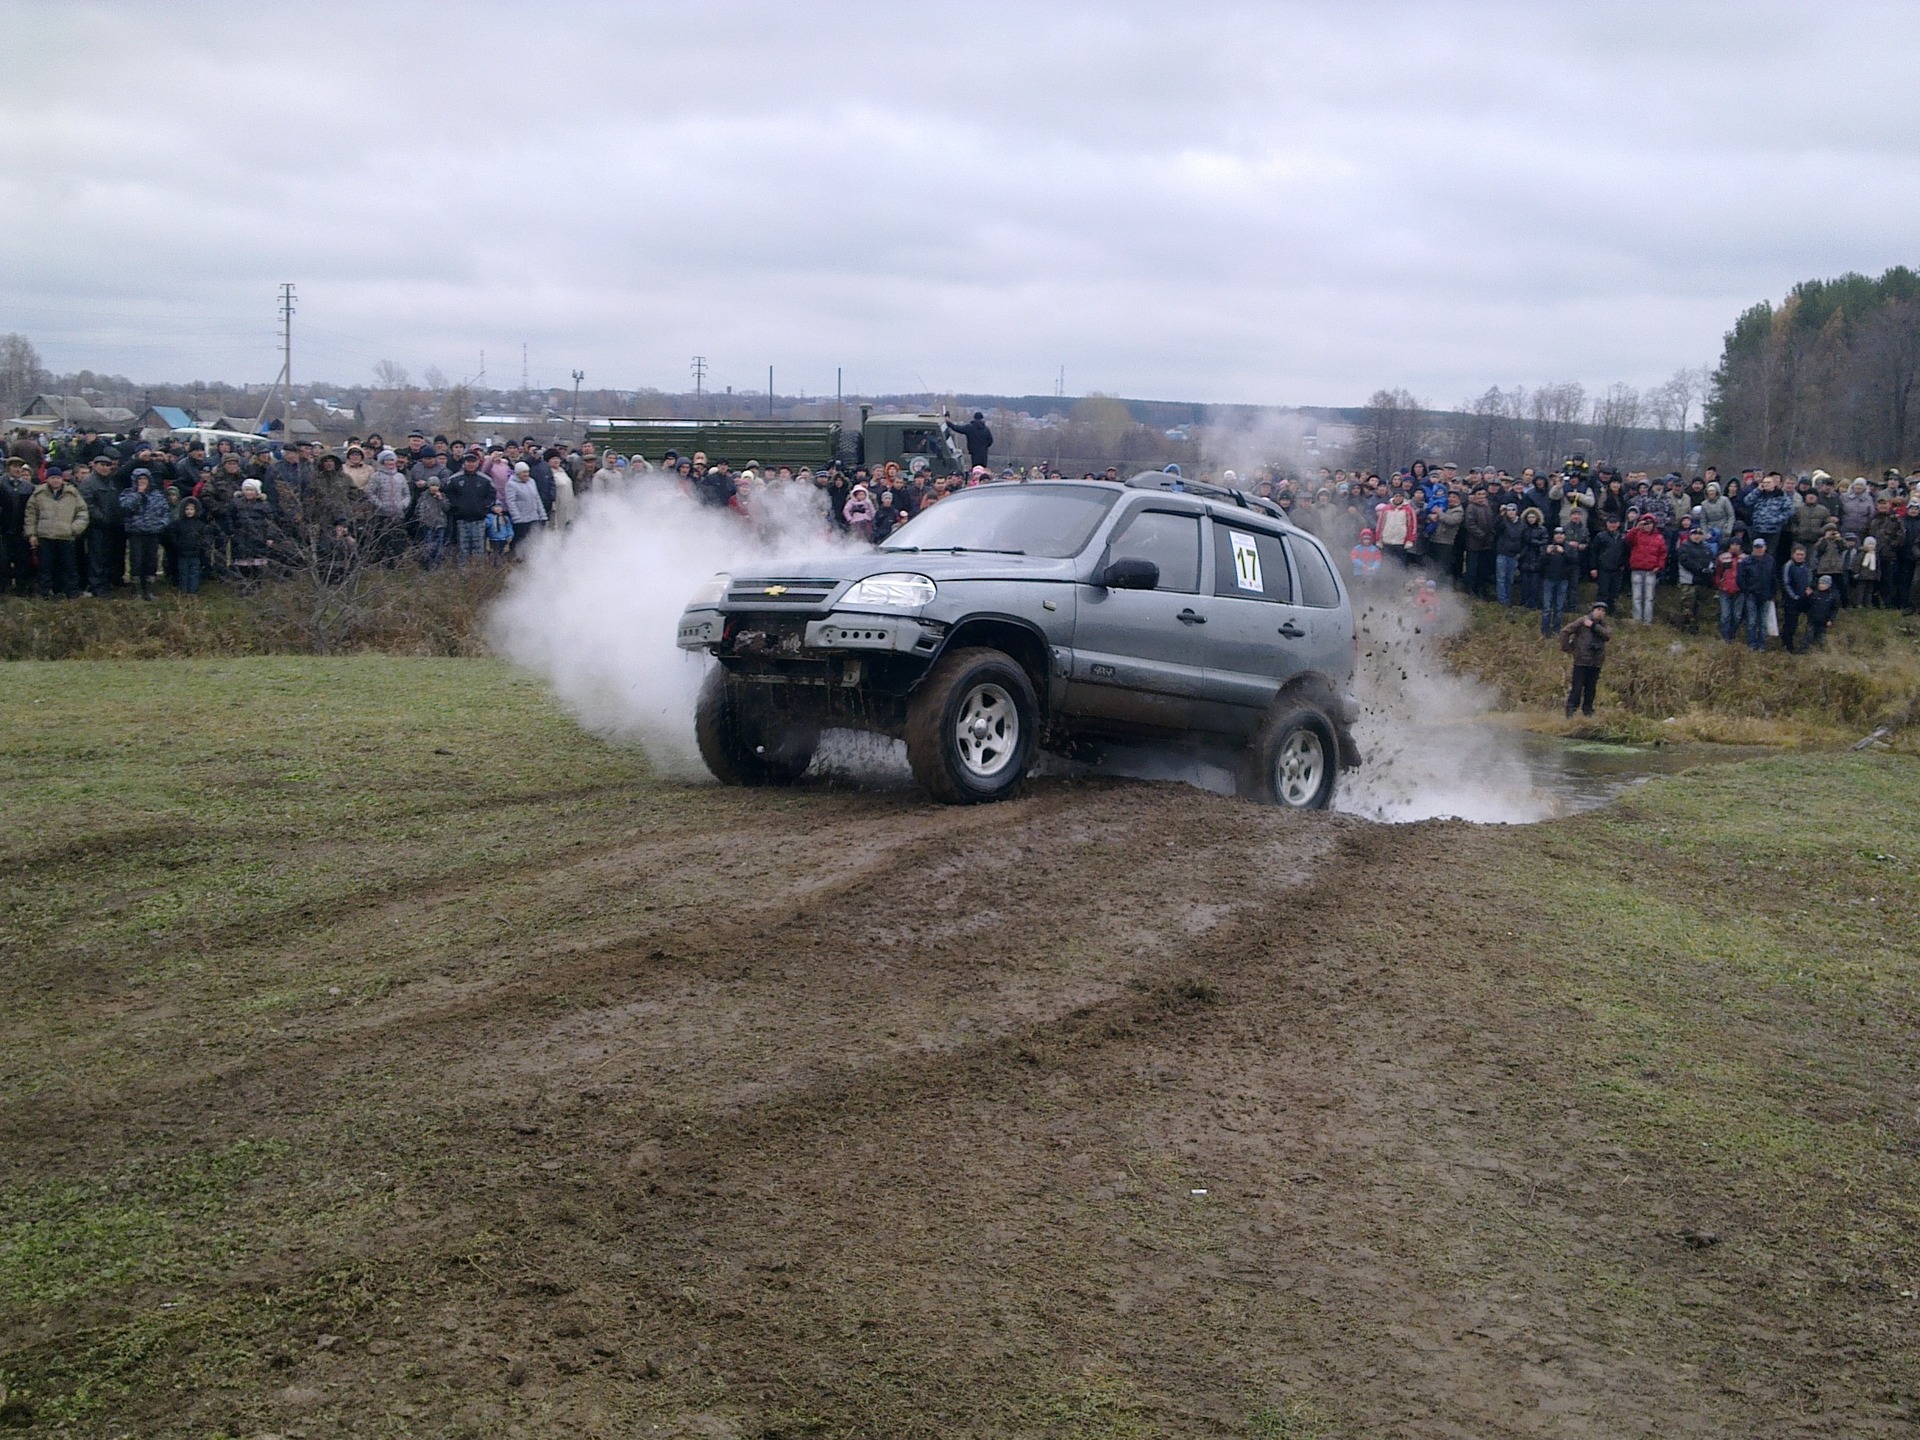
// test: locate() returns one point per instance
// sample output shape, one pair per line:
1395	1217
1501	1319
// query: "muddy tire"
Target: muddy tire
971	727
1293	759
742	743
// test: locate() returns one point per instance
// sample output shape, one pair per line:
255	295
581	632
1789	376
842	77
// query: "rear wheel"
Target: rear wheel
743	741
971	727
1294	758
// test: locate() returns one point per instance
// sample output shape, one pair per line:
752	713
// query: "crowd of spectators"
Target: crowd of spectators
1765	554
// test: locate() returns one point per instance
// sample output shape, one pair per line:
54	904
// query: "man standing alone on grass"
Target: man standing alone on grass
1586	640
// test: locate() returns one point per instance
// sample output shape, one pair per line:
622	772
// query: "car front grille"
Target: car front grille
780	591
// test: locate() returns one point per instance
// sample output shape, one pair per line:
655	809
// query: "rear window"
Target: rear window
1317	585
1249	564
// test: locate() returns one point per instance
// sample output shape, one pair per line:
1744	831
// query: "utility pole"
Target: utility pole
1060	384
769	392
839	399
578	376
699	378
286	363
524	386
285	377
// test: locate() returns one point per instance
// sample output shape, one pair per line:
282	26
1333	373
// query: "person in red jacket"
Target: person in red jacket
1646	558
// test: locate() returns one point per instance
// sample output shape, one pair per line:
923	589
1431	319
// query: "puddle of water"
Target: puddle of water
1585	774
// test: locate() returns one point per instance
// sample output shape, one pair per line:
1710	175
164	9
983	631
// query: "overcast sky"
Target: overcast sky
1291	204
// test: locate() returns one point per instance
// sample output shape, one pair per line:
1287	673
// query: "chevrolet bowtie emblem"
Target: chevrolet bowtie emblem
775	590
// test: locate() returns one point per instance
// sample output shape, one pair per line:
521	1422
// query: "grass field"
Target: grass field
379	1055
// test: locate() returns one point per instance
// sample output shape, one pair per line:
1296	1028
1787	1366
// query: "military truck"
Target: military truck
901	437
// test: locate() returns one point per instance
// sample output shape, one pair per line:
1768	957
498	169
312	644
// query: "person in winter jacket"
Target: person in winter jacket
1559	569
1716	511
1607	562
1863	572
1758	577
145	515
1365	558
469	497
256	534
1888	532
1771	512
1533	545
1398	533
189	536
1695	555
1796	585
1510	541
1481	527
1809	521
389	493
1726	584
1646	558
16	556
1856	509
499	532
858	513
56	517
1830	558
979	439
1586	640
106	537
1910	592
1822	605
430	520
524	506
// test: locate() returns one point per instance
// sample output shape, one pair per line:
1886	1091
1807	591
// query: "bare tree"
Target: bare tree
22	376
434	378
389	376
1391	431
1555	410
1615	415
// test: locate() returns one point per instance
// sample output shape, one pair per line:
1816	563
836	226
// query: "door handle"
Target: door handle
1292	631
1190	617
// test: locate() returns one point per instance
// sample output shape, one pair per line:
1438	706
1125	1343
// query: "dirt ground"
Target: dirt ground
1119	1110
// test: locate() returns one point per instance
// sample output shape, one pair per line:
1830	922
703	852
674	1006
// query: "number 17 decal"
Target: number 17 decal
1246	562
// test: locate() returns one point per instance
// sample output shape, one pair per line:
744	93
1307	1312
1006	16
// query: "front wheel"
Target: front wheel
743	741
971	727
1294	759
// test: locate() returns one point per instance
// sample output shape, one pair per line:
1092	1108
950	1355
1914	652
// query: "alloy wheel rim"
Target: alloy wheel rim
986	730
1299	768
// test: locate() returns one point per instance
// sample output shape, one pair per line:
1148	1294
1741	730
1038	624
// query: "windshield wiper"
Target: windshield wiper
947	550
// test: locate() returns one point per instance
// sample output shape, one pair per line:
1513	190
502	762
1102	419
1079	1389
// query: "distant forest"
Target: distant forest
1830	376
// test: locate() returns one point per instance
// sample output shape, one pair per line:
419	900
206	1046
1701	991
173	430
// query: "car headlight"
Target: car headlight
710	592
893	591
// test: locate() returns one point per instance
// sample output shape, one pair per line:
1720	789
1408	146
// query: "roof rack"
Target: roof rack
1206	490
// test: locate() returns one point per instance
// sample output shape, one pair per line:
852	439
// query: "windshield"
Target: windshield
1051	520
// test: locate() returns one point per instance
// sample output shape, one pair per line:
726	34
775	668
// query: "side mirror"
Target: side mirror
1129	574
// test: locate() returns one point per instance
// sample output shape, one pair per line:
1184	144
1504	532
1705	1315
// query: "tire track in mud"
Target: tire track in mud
935	1166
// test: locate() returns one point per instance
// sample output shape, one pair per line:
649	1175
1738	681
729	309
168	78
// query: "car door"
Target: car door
1137	654
1328	619
1257	637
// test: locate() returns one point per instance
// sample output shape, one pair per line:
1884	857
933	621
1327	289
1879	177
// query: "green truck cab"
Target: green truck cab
815	444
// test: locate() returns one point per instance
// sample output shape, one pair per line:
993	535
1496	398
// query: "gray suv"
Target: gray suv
1058	616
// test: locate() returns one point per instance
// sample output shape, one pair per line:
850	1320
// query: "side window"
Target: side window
1249	565
1170	541
1317	587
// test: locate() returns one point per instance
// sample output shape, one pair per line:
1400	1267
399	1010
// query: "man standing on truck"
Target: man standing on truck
978	437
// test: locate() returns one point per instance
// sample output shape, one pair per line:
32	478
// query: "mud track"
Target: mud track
1120	1109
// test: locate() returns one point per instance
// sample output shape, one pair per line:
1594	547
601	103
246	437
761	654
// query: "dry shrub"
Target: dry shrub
1868	676
389	609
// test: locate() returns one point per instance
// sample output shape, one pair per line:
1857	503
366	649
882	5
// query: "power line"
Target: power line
699	375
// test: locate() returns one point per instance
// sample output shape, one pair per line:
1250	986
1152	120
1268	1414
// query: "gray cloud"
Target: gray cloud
1291	203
